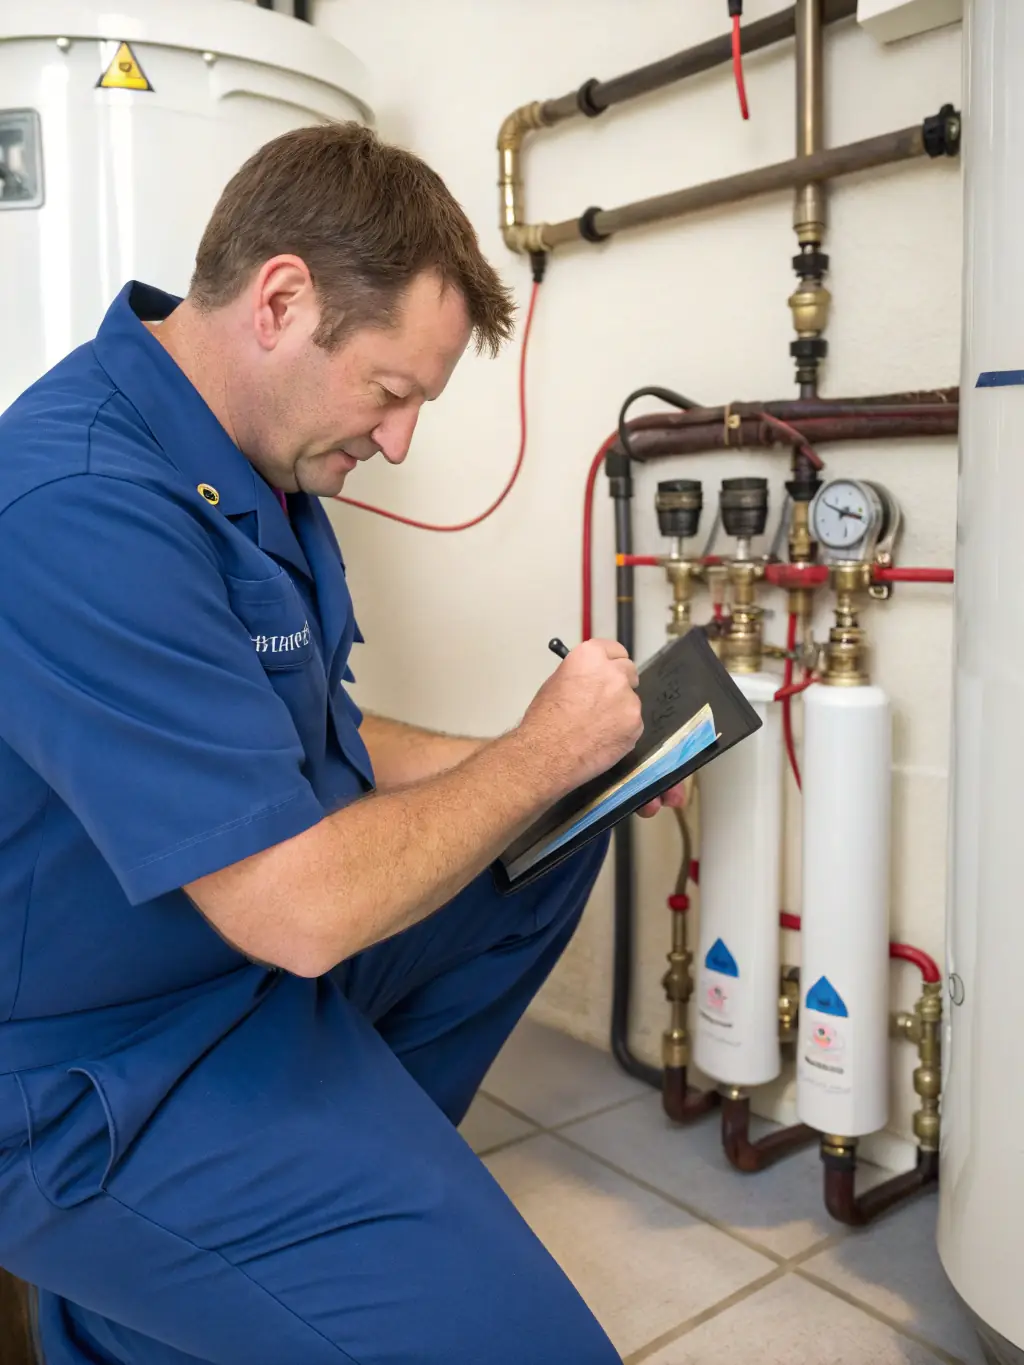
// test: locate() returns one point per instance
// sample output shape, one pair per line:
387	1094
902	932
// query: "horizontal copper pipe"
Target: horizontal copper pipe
818	420
834	162
680	1101
749	1156
857	1210
601	95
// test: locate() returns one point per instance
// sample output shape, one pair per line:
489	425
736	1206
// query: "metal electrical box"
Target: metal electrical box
890	20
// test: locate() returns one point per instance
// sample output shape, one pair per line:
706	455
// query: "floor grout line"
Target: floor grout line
698	1319
674	1201
909	1332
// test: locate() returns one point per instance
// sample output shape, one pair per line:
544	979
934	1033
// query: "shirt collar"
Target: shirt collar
180	419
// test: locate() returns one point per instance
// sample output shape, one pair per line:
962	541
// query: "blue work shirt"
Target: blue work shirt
172	699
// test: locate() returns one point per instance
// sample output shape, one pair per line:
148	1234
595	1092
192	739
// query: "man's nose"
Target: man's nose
393	435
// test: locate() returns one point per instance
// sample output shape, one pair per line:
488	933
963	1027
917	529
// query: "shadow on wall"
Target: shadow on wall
15	1323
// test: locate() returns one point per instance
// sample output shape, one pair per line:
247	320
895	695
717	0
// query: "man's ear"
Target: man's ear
283	298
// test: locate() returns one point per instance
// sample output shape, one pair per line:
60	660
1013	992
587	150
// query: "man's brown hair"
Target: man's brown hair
366	217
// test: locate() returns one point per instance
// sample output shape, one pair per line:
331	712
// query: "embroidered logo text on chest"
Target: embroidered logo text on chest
282	644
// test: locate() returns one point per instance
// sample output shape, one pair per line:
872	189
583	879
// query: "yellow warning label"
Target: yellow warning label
124	72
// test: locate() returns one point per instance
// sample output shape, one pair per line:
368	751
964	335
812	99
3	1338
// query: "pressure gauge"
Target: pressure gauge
852	519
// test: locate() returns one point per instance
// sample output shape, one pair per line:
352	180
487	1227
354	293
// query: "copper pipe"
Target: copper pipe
749	1156
855	1210
809	208
653	442
594	97
680	1101
885	150
601	95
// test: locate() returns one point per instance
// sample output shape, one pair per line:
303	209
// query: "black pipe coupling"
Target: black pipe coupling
585	99
588	228
618	468
811	265
942	132
809	350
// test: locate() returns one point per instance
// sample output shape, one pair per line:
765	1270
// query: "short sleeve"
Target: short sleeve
133	689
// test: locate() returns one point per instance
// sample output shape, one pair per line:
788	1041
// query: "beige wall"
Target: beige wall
457	625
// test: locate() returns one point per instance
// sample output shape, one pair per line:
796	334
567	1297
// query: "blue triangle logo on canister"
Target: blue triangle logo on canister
720	960
824	998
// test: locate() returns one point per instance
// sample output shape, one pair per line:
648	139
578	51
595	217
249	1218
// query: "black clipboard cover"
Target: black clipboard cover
675	684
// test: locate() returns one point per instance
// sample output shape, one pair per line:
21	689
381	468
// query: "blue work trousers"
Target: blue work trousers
303	1196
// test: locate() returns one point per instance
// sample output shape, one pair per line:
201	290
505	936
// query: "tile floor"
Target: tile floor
684	1261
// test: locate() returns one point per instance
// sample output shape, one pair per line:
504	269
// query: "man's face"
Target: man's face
312	415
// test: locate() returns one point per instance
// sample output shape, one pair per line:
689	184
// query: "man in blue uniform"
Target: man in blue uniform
253	966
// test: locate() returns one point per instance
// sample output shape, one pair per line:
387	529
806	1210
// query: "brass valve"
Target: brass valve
845	665
809	304
742	648
678	984
923	1028
789	1005
681	574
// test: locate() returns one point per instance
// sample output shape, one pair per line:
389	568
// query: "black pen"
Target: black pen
558	648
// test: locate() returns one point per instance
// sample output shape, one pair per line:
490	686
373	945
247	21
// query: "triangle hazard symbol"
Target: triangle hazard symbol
124	72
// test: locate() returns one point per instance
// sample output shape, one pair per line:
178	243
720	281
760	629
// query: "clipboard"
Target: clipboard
693	711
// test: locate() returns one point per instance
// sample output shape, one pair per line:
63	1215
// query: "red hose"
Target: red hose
794	689
925	964
912	575
638	561
588	527
737	66
474	521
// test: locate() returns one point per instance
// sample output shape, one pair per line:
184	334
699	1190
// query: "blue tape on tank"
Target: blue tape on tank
1000	379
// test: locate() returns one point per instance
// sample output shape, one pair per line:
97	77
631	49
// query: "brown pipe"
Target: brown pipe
884	150
596	96
601	95
809	207
652	442
680	1101
749	1156
856	1211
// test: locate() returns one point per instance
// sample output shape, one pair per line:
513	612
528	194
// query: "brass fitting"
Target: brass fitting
834	1145
809	304
742	648
801	546
678	984
789	1005
518	234
845	664
681	573
928	1074
923	1028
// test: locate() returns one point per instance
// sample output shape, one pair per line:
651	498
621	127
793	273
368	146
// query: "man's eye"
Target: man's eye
387	396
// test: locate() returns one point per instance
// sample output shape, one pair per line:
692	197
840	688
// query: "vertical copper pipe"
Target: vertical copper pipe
809	208
682	1103
855	1210
749	1156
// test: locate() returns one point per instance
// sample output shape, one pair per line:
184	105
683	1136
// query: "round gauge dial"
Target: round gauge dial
844	513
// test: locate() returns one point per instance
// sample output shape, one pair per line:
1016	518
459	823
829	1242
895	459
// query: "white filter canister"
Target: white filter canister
737	1025
843	1049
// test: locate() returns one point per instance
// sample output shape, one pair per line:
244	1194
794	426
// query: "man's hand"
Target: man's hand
587	715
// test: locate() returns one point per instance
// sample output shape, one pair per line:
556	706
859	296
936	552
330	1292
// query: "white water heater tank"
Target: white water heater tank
981	1223
119	126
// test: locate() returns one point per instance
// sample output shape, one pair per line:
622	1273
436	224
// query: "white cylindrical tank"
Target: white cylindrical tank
737	1030
101	185
843	1047
981	1223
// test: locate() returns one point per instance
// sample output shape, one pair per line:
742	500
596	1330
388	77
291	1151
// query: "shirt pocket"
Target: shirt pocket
276	618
